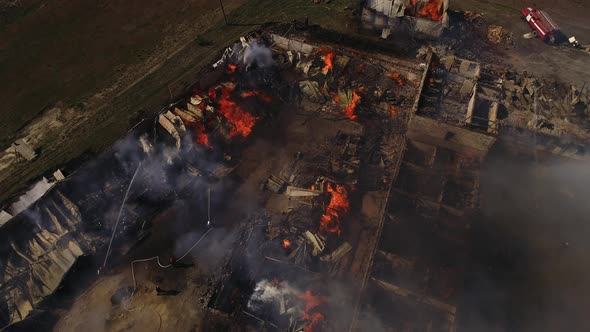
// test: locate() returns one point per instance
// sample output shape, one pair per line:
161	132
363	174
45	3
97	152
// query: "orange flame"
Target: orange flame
337	208
432	10
200	134
311	303
231	68
397	77
241	121
328	60
286	243
350	108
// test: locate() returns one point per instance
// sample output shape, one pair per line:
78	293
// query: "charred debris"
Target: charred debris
365	222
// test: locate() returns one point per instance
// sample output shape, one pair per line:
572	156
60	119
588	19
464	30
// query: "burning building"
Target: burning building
364	168
326	221
425	17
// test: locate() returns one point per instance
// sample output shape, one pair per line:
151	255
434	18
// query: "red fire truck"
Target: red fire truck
542	25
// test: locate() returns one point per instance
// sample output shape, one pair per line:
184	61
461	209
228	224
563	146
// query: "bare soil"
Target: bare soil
64	51
560	63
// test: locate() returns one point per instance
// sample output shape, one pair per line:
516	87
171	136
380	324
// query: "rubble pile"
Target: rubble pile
227	111
548	107
34	269
324	83
500	36
470	32
493	99
311	235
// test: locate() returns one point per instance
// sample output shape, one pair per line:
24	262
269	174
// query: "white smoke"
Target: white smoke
258	54
31	196
268	292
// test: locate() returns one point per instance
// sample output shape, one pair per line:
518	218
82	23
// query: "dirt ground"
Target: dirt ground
532	55
62	51
93	310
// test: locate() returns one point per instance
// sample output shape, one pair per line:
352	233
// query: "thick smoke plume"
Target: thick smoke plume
528	247
270	291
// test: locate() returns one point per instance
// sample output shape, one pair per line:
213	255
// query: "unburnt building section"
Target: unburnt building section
425	17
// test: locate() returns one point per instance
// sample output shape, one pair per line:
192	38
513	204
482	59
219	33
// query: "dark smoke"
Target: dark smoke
529	270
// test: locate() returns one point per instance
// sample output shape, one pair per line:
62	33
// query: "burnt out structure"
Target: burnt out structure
380	215
69	227
416	269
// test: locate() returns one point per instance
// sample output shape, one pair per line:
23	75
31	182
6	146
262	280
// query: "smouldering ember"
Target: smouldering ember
212	94
231	68
337	208
361	67
311	314
201	136
397	77
258	94
242	122
393	111
286	243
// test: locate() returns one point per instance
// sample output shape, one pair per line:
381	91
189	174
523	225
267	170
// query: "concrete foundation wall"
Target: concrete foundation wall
458	139
292	45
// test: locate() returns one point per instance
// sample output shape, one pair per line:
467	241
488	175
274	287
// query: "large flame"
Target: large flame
337	208
242	122
310	315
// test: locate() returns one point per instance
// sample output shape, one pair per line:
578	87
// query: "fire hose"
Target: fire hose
157	259
119	215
